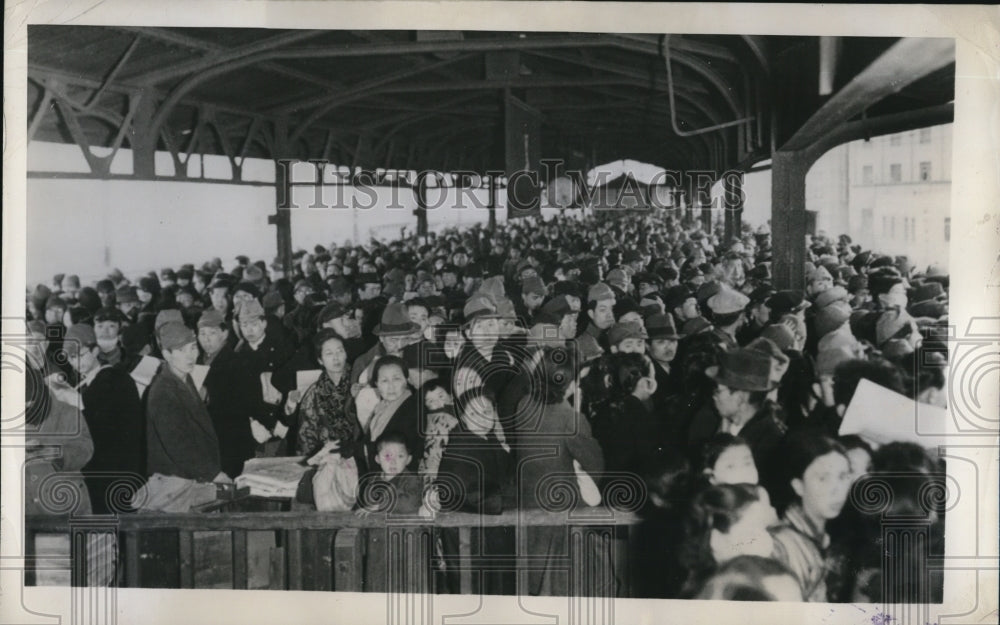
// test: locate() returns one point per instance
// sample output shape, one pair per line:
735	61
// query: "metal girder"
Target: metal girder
683	58
757	46
699	140
191	42
401	121
40	113
882	125
699	103
99	165
905	62
687	45
365	89
39	73
223	56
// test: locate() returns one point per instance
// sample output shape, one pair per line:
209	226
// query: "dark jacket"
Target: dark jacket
406	490
114	415
474	474
179	434
231	400
763	433
545	456
629	435
494	373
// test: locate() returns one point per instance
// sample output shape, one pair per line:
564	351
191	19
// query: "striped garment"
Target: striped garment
803	548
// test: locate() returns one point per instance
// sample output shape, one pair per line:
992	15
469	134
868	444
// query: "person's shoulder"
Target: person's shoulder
112	377
163	387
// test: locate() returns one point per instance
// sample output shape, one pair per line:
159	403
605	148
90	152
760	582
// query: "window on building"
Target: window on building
895	139
866	174
925	171
892	227
906	228
947	228
896	172
867	220
885	226
925	135
913	229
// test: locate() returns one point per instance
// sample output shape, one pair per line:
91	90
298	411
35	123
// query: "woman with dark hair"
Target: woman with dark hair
696	353
547	456
724	521
396	411
625	425
819	478
324	416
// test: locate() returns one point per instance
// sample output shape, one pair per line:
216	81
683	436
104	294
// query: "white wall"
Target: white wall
88	227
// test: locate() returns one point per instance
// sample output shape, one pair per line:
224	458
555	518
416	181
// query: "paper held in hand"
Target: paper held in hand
198	375
144	372
305	379
882	416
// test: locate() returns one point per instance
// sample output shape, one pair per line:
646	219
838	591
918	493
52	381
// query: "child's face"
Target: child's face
393	458
735	465
480	417
437	399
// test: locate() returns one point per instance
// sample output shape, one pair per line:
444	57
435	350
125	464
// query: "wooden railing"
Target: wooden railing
344	552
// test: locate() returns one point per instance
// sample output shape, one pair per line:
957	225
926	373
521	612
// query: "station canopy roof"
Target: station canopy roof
435	99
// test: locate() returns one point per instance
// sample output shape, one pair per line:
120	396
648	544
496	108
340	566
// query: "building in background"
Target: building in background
900	190
890	193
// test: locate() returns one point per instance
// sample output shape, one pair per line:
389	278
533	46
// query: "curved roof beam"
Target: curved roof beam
213	60
683	58
905	62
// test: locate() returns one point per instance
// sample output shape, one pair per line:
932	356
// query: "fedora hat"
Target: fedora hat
743	370
395	322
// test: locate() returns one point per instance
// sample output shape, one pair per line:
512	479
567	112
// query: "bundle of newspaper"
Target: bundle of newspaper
272	477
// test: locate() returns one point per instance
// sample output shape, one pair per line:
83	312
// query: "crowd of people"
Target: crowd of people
464	370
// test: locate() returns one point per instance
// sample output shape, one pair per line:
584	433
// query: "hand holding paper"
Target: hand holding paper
260	433
305	379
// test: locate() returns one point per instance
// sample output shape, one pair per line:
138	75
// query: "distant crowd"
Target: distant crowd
474	370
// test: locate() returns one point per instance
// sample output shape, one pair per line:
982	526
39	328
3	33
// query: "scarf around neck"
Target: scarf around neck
383	412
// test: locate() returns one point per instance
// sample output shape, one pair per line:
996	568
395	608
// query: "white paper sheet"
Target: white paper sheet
305	379
882	416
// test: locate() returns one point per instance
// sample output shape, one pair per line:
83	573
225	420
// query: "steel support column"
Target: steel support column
788	219
282	218
421	210
142	141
